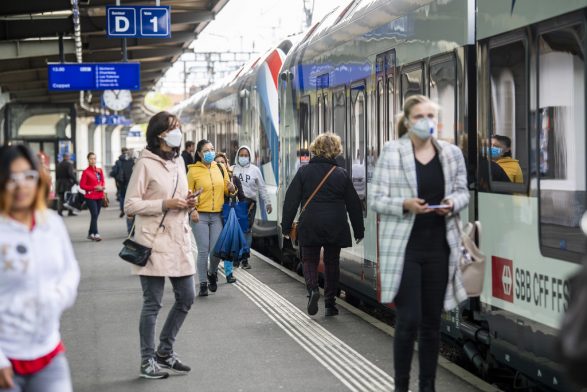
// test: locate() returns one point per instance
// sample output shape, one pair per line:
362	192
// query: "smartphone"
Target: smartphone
436	206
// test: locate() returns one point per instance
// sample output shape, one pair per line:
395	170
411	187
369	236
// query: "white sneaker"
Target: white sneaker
97	237
91	237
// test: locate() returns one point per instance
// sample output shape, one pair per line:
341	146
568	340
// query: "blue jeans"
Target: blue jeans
94	206
183	288
206	233
54	377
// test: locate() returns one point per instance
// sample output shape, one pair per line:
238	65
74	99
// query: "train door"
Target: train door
379	131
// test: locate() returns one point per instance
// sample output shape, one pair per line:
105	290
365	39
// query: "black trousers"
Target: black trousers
419	304
311	260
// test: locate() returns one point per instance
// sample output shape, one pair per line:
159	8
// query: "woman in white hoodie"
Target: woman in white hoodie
252	180
39	276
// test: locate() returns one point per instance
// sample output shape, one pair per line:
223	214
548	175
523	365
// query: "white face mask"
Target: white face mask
243	161
423	128
173	138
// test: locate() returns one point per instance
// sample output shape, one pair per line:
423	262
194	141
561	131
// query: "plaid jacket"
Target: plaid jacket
394	180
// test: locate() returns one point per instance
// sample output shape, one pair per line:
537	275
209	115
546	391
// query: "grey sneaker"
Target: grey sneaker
172	363
151	370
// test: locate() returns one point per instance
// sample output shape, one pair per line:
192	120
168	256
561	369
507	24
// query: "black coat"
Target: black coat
65	176
324	222
188	159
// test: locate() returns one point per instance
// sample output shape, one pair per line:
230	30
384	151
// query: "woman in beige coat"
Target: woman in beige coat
158	198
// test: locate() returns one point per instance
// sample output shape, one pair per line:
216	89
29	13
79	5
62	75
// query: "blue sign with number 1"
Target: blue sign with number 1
138	21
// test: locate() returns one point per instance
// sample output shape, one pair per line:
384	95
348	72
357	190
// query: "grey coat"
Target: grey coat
394	180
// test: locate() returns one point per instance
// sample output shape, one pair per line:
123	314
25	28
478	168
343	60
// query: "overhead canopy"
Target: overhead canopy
29	31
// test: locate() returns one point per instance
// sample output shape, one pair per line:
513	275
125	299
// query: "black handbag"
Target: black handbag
135	253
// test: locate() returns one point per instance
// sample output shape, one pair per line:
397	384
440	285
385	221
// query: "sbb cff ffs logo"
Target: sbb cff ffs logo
502	278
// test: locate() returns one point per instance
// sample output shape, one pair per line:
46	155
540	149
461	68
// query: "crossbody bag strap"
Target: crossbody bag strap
174	190
317	188
132	229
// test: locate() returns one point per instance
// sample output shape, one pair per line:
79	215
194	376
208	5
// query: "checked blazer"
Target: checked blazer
395	180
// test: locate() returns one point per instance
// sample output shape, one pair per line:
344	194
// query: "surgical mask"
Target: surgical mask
209	157
243	161
173	138
423	128
495	152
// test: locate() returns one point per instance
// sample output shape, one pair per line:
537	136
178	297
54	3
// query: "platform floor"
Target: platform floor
250	336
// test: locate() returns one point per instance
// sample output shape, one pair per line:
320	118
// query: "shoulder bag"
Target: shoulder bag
138	254
293	233
471	259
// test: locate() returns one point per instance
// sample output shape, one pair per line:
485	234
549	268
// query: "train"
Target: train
514	68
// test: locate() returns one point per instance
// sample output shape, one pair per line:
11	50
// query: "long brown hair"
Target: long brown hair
402	119
9	154
159	123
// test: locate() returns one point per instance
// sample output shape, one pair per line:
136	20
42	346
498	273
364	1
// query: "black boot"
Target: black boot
331	309
427	385
203	290
313	302
213	278
230	279
402	384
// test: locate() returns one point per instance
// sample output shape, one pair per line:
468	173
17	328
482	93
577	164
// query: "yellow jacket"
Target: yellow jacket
512	168
214	186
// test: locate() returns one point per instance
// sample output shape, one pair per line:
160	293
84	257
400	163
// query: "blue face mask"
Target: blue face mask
243	161
209	157
495	152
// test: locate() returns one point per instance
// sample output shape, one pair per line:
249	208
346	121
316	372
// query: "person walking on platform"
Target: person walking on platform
222	160
206	177
39	278
418	185
159	199
326	193
93	183
121	173
66	178
252	180
188	154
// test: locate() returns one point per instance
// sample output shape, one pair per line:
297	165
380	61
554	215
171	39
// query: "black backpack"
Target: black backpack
573	331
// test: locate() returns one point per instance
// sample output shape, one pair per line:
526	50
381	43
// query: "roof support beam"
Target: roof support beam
22	49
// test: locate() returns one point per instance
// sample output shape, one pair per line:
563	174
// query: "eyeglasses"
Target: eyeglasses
28	178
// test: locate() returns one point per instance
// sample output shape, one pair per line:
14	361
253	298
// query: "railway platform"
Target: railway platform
250	336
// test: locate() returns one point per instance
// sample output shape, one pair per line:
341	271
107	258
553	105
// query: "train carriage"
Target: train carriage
509	68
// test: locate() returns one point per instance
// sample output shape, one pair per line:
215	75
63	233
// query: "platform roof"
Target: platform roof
29	31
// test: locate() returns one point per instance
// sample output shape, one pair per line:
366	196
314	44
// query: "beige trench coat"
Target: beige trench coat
152	181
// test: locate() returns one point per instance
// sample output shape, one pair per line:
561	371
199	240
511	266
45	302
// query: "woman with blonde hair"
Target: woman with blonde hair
39	278
323	222
418	184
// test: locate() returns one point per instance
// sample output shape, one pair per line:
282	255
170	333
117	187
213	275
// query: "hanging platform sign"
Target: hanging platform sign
138	21
112	120
94	76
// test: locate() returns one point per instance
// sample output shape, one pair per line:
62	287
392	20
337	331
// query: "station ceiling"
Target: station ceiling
29	31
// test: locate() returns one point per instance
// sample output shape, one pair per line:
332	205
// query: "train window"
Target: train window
320	116
391	108
561	142
507	145
412	82
357	142
375	132
305	123
443	84
327	115
339	110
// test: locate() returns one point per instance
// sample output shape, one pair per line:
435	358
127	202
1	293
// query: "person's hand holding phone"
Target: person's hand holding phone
416	206
444	208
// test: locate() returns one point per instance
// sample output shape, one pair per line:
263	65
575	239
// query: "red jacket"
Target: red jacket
92	177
